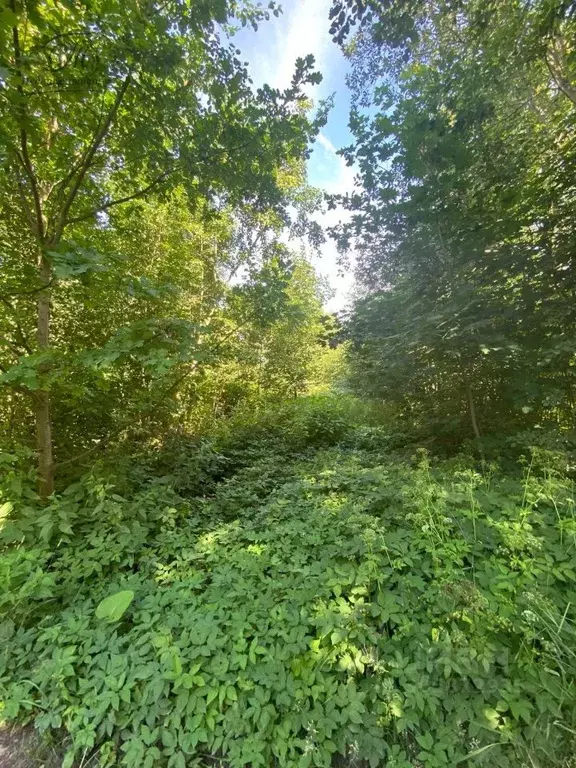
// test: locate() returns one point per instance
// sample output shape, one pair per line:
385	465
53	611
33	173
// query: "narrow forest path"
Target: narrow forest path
23	748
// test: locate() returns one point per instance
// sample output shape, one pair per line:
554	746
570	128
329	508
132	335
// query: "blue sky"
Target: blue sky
271	53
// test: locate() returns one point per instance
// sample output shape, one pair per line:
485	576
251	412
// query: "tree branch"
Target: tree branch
63	183
101	444
25	204
104	207
88	157
4	296
144	191
16	387
14	348
555	61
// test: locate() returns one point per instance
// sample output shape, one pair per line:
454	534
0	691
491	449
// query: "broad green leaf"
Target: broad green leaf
112	608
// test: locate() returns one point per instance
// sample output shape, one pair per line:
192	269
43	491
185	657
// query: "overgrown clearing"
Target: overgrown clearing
238	529
333	597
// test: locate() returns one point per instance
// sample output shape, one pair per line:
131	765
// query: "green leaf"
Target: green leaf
112	608
425	740
5	509
178	760
168	739
7	628
492	716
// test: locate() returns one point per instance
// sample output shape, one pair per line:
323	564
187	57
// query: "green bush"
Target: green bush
294	425
343	609
254	435
17	477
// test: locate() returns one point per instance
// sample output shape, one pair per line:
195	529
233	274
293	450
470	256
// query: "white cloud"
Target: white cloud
301	29
342	175
338	179
306	32
339	277
325	142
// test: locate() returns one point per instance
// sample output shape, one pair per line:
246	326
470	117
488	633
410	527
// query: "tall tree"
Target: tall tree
105	102
463	117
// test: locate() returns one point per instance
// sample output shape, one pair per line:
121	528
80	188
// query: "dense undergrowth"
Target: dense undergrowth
300	589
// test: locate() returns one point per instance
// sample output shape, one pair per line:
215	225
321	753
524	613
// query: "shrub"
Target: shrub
291	426
252	436
401	616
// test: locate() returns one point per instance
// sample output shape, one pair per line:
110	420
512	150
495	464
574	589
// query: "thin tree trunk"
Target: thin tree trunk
48	234
42	399
473	418
44	445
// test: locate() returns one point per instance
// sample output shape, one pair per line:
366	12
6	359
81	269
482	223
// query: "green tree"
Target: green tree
273	321
104	103
461	115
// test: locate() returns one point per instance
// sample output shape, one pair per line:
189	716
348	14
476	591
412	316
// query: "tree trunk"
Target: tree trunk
44	445
472	412
42	399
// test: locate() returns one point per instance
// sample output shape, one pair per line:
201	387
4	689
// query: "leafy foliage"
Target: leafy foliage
112	111
461	116
255	567
112	608
389	612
